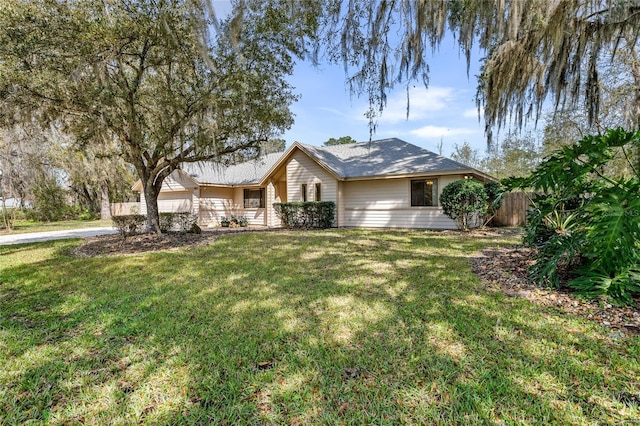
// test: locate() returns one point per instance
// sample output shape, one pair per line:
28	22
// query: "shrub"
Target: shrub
49	203
195	229
310	214
186	221
183	221
166	221
8	217
129	224
87	215
465	201
586	221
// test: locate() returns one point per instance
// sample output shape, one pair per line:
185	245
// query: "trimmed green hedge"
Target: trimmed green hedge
310	214
131	224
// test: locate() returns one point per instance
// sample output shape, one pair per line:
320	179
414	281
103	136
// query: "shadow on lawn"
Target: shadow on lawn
324	327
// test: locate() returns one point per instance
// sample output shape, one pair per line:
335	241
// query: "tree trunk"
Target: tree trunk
151	200
105	207
635	71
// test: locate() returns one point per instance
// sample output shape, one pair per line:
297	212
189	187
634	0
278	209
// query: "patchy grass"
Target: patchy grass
327	327
26	226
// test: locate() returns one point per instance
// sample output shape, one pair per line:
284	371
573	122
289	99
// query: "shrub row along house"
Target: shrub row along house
383	183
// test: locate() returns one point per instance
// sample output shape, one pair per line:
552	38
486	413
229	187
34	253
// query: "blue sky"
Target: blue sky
445	111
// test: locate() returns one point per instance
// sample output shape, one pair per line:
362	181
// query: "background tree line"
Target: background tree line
164	82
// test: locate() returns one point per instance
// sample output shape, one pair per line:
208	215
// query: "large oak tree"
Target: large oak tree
143	74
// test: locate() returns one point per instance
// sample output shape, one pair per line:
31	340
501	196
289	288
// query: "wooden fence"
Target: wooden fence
513	211
118	209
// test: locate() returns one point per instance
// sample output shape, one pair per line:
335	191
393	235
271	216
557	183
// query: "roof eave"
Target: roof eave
428	173
229	185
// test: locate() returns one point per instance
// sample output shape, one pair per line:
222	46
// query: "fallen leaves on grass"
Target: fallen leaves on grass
506	269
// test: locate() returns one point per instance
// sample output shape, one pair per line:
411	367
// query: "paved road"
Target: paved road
35	237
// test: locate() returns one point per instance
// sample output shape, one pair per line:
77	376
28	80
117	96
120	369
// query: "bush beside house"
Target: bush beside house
310	214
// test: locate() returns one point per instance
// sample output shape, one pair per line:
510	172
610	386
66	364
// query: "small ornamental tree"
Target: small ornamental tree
465	201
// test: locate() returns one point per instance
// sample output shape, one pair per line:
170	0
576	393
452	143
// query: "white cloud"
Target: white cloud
426	132
333	111
472	113
422	102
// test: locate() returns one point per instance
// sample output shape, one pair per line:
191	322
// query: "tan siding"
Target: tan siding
302	169
386	203
195	205
384	193
412	217
143	204
177	181
340	205
255	216
218	202
446	180
281	192
270	199
215	203
175	201
175	194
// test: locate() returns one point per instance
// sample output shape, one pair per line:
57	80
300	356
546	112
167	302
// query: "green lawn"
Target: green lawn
328	327
26	226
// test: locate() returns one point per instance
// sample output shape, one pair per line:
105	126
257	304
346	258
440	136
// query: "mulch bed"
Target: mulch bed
108	245
506	270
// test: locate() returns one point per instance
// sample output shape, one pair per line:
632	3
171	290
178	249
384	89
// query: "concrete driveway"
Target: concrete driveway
35	237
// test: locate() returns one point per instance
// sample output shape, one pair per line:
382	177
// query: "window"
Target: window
254	198
303	190
424	192
318	192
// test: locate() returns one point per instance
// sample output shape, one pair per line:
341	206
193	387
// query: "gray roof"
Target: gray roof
385	157
382	157
247	173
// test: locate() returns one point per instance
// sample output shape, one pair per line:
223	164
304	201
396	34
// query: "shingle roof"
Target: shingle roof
382	157
247	173
385	157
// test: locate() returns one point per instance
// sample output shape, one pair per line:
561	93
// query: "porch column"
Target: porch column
270	198
195	205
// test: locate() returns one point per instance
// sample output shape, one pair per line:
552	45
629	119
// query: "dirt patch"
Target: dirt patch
506	270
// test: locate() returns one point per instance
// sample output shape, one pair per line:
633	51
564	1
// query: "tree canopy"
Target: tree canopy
339	141
535	49
141	74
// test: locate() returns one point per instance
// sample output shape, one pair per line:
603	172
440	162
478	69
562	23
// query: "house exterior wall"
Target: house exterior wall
176	195
303	170
175	201
384	202
387	203
216	202
255	216
170	201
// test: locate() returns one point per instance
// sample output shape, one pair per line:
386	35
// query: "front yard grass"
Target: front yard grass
326	327
27	226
